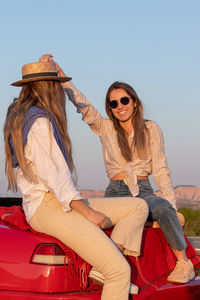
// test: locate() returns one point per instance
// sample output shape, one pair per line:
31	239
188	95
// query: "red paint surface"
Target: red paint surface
21	280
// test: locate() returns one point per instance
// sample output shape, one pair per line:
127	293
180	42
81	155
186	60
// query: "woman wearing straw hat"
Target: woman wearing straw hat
133	148
39	162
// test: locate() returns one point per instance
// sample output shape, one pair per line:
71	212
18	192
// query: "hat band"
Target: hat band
40	75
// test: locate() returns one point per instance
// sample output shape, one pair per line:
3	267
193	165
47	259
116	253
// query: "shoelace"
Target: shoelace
181	265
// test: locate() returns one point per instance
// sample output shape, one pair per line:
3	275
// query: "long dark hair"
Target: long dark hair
140	130
50	96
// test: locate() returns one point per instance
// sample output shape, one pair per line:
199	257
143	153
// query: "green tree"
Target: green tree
192	221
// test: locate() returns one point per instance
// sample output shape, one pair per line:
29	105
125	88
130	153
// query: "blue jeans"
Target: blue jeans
160	210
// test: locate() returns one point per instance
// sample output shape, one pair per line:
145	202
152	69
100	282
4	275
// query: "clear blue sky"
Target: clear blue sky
152	45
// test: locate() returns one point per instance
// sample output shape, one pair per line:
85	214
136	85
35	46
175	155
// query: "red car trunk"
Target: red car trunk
26	273
18	274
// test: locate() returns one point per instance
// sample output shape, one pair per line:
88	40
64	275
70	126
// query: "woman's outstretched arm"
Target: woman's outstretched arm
89	113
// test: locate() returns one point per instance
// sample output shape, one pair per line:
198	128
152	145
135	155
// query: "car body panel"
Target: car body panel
18	274
188	291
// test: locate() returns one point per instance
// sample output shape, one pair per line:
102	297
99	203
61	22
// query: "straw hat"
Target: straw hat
39	71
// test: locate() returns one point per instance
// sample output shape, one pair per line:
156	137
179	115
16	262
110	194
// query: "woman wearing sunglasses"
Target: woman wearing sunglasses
133	149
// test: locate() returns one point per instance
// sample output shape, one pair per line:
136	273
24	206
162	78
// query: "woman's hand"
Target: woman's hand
181	218
92	215
46	58
49	57
99	219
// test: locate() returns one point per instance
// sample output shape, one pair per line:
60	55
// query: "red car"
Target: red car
36	266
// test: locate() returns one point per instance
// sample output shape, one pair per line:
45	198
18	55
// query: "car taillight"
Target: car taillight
49	254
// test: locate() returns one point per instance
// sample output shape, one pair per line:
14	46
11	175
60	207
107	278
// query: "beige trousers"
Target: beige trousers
91	243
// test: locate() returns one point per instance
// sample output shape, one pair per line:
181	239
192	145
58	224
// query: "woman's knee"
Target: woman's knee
123	269
144	206
140	205
162	209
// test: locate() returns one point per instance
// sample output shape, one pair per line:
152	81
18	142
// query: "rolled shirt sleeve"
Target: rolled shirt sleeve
160	170
89	113
50	165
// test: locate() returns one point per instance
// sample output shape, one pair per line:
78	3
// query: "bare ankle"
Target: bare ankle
180	255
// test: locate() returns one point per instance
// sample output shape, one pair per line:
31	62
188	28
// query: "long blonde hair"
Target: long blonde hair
140	141
48	95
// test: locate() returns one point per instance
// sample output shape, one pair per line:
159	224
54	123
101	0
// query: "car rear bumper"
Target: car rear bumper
189	291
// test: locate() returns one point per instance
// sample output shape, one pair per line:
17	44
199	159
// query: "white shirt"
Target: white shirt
48	164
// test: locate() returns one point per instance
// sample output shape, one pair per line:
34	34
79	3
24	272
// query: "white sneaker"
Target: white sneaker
183	272
98	278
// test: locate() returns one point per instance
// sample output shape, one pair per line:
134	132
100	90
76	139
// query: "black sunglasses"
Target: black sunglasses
114	103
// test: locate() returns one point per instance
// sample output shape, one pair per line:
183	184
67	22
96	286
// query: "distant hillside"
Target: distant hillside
188	196
187	192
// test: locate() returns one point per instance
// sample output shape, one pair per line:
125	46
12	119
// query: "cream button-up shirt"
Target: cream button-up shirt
155	162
